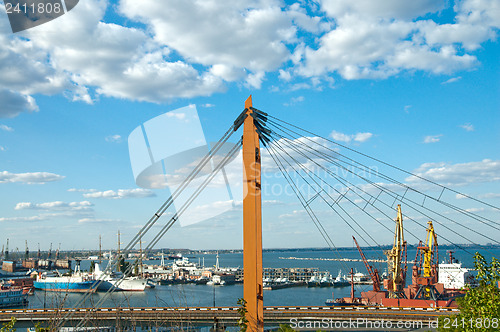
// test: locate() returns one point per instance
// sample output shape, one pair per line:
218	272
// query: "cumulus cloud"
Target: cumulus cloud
258	30
121	194
29	178
458	174
14	103
432	138
374	39
183	49
358	137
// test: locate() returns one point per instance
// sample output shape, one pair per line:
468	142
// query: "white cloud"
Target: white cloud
389	9
432	138
121	194
199	32
29	178
358	137
373	39
458	174
32	218
57	205
14	103
2	148
113	139
183	49
65	214
467	127
285	75
207	105
452	80
6	128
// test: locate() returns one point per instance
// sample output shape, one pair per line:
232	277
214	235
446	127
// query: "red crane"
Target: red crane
373	272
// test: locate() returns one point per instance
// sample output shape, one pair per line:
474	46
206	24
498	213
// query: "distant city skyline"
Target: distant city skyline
412	84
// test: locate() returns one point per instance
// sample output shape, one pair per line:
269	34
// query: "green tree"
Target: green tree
480	307
9	326
242	312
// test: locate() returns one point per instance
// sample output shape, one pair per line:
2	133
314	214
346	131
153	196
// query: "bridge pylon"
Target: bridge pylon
252	222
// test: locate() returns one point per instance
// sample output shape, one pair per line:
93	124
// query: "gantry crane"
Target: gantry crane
373	272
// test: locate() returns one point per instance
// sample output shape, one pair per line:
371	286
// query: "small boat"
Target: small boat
201	281
341	281
314	281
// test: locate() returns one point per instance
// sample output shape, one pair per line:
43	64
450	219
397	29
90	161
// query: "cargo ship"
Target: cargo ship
77	282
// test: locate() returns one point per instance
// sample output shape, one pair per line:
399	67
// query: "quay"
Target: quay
130	317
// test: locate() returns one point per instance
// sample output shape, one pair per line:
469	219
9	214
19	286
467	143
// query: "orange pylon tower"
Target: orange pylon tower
252	223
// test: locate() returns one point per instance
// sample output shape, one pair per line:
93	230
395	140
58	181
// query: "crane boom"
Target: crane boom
373	272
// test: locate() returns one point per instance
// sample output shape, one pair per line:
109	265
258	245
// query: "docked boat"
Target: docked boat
116	281
12	297
453	276
314	281
326	281
76	283
341	281
202	281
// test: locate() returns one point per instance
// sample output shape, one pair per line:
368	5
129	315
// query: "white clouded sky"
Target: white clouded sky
379	76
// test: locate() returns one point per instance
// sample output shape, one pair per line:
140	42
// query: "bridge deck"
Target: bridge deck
225	315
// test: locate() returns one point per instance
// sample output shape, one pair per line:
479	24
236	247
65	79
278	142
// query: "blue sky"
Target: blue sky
416	85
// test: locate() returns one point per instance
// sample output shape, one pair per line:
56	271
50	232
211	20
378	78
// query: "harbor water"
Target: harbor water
206	295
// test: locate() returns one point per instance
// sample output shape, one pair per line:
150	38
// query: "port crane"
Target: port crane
373	272
424	276
430	252
395	258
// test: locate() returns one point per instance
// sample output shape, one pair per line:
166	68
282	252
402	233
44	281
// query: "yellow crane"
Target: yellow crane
429	251
395	257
